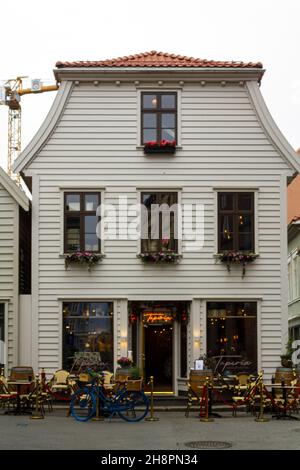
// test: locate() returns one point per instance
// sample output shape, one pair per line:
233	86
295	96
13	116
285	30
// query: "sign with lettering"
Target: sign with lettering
157	318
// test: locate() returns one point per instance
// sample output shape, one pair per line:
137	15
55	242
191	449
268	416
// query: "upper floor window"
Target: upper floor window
80	221
160	222
159	117
236	221
293	277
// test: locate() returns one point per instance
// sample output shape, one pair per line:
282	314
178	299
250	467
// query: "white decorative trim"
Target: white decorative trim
35	272
46	129
283	257
15	192
270	127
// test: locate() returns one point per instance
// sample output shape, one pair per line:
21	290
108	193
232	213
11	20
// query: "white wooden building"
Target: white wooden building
12	201
230	156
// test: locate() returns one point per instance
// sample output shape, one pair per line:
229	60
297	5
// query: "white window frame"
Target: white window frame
293	276
237	189
162	88
72	188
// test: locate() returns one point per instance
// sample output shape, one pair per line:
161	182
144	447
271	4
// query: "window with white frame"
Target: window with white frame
293	276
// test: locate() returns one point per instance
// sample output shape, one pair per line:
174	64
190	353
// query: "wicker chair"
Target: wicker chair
195	386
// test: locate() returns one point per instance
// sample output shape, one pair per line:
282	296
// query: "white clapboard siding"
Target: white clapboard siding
222	144
9	269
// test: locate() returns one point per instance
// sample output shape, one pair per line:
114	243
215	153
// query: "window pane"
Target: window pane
245	201
168	134
226	201
231	331
168	101
73	233
149	134
149	120
150	101
91	202
148	199
245	223
168	120
88	335
72	202
91	242
245	242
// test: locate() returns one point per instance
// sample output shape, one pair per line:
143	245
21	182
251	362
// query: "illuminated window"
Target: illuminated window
236	221
88	335
159	117
232	335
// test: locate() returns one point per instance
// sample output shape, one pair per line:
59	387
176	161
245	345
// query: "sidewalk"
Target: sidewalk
172	432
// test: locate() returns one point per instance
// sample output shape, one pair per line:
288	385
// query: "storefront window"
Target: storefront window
232	336
2	344
88	335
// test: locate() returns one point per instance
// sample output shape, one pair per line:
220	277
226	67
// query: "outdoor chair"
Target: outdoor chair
195	386
61	383
246	395
7	398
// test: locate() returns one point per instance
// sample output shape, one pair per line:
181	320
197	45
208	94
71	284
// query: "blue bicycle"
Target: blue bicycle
131	406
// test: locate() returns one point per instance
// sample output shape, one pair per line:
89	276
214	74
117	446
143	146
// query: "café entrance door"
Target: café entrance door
159	356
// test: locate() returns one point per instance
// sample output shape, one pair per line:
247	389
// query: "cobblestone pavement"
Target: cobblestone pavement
173	430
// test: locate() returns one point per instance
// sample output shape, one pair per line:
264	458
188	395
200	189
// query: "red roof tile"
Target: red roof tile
158	59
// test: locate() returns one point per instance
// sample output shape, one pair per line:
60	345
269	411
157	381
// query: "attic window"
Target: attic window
159	117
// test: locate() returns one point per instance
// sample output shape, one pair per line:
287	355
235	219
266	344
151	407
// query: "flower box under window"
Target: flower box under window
160	257
161	147
83	258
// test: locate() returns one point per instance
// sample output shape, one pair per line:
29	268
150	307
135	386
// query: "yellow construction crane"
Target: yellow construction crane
10	95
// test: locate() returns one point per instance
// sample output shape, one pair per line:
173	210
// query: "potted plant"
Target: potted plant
167	256
163	146
135	380
286	359
87	258
237	257
124	369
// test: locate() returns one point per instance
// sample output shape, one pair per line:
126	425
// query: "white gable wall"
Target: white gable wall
94	146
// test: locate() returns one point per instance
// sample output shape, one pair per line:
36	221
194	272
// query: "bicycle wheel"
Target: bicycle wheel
132	406
83	405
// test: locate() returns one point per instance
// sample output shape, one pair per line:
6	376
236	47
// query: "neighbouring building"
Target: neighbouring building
293	256
14	268
159	129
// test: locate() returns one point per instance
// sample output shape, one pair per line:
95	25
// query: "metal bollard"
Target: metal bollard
98	416
260	418
38	412
151	417
207	418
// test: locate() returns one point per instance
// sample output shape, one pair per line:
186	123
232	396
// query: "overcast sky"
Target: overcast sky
34	35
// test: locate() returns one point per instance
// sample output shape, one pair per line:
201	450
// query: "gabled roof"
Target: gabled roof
159	59
16	193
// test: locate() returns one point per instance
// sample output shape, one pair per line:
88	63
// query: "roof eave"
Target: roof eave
70	73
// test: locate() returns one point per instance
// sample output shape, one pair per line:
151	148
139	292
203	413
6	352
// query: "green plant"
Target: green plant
135	373
286	359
